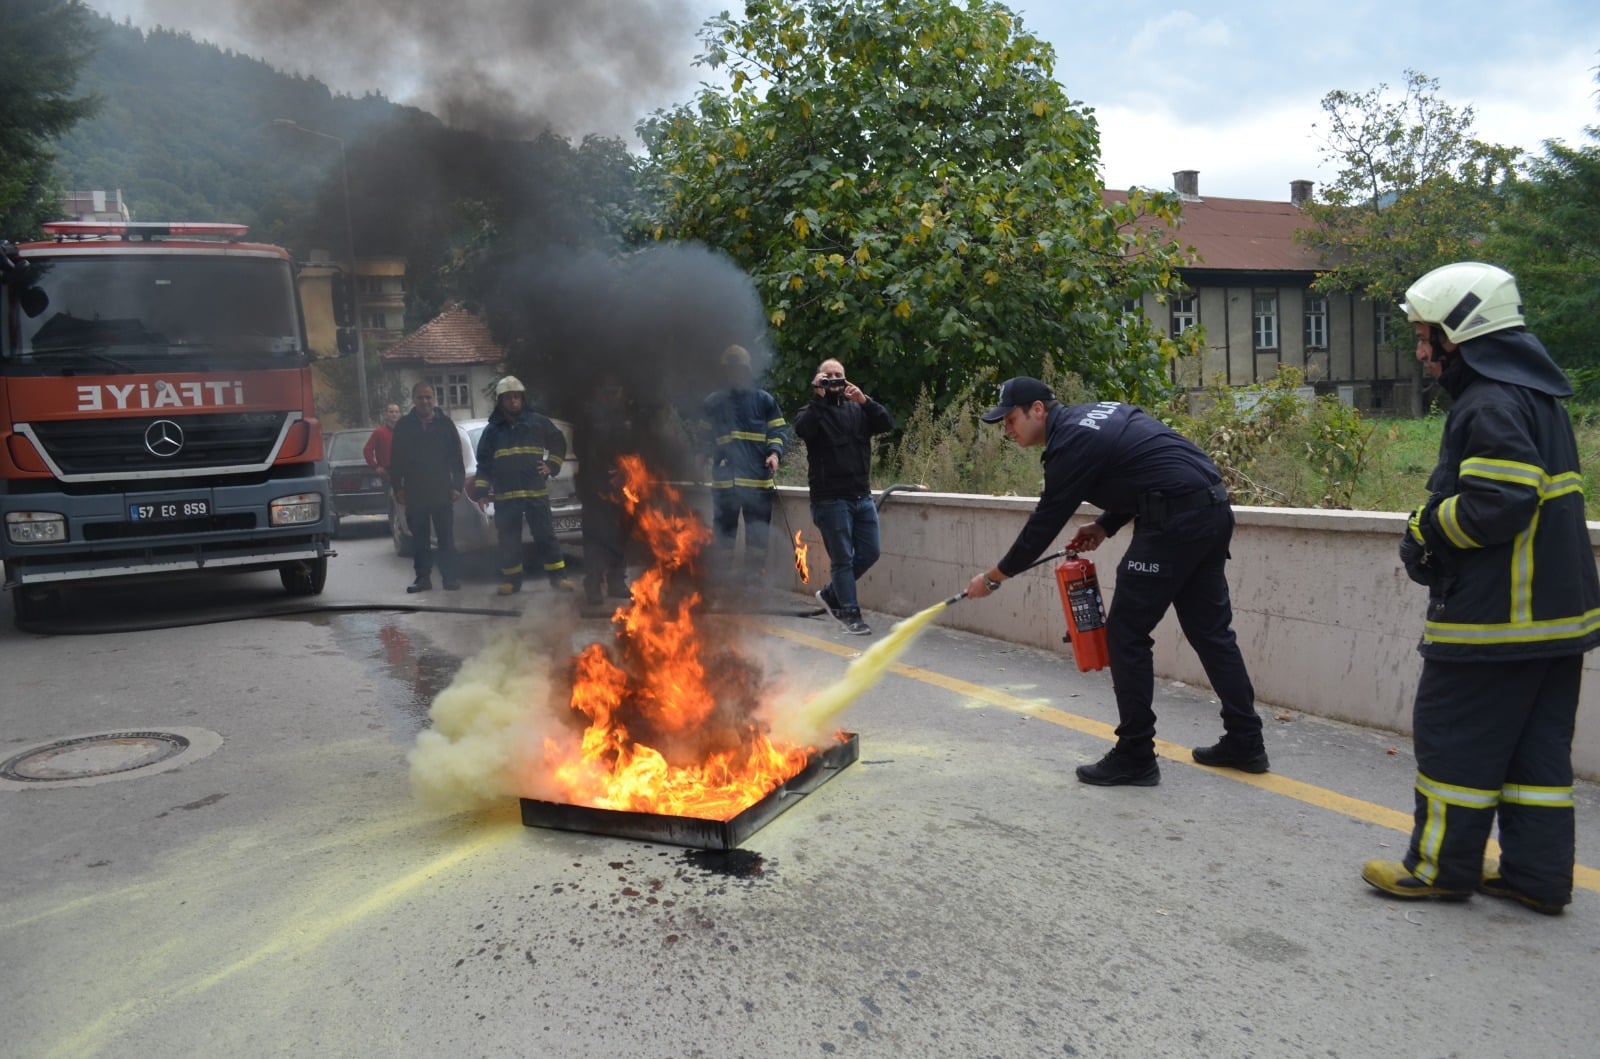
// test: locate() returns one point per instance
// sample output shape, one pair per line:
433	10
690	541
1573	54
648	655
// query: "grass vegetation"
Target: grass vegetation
1274	447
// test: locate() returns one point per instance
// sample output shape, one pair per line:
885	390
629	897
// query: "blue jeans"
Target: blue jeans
849	531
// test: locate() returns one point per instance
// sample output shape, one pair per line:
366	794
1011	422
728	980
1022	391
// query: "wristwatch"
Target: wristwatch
990	583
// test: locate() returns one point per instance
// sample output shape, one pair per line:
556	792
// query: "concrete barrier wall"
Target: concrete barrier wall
1326	617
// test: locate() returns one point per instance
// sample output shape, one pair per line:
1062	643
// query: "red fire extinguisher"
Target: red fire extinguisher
1086	612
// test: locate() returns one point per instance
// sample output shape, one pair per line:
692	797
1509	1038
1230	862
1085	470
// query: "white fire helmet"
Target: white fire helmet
509	384
1466	300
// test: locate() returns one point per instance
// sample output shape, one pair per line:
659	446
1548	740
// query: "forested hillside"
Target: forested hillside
187	131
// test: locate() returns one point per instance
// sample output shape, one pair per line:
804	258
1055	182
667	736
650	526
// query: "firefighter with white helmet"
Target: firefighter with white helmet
1514	602
518	453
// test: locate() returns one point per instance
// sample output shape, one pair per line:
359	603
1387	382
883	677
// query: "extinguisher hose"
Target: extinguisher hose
1058	554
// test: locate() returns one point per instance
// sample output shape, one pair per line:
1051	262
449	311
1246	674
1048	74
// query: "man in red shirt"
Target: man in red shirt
381	443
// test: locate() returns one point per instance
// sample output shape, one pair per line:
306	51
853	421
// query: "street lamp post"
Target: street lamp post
350	251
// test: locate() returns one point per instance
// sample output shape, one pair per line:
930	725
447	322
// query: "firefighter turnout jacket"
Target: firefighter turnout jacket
509	452
1504	526
1118	458
745	426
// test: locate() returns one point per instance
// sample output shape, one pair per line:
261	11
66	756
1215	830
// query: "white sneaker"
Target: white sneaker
833	612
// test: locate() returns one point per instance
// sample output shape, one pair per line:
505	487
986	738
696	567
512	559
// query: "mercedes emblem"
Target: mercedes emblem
163	438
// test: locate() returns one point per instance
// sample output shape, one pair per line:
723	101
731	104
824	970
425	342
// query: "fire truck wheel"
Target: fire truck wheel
30	603
304	577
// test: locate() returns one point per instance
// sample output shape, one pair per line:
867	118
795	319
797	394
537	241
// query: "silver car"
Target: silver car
474	522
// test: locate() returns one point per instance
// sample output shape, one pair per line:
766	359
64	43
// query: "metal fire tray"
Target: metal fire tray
693	831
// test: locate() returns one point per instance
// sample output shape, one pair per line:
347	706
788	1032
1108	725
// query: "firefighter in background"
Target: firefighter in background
1514	602
518	453
746	430
1136	469
604	427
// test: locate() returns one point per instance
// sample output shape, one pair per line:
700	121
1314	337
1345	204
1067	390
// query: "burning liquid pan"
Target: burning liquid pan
693	831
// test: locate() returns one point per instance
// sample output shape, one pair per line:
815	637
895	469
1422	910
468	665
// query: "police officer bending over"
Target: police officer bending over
1514	602
1136	469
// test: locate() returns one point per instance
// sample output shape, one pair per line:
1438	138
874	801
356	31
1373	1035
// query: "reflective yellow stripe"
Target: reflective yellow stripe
1429	841
1451	525
519	450
754	483
1512	632
1414	526
1522	572
743	435
511	571
776	424
1547	797
775	442
522	494
722	483
1504	471
1451	794
554	461
560	564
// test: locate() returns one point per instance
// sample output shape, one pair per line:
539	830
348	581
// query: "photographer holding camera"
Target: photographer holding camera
837	427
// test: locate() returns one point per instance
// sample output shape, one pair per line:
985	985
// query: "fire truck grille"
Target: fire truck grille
101	446
113	531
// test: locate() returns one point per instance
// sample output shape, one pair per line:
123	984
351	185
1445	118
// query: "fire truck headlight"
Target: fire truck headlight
35	527
296	510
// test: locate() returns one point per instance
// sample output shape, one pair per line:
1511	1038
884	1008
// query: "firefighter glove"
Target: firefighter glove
1418	562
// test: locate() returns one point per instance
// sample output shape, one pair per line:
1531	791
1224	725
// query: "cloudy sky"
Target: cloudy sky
1230	87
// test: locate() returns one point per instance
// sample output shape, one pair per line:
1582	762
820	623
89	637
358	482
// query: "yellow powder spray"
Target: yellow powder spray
865	671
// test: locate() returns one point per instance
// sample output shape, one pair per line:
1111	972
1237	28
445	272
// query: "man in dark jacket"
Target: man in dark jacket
1134	468
1514	602
426	471
746	432
837	427
518	453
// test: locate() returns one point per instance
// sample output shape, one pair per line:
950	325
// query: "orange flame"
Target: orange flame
801	567
670	707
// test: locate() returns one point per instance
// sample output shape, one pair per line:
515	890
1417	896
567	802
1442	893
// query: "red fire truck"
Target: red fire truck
155	410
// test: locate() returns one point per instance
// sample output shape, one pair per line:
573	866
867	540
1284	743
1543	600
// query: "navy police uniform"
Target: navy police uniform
1134	468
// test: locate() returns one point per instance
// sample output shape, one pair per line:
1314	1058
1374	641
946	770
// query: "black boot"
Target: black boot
1119	768
1231	753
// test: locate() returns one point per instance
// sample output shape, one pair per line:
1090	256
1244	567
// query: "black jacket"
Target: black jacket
510	451
425	462
1507	520
1111	455
838	437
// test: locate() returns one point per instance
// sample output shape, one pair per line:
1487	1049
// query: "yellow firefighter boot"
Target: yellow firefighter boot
1392	878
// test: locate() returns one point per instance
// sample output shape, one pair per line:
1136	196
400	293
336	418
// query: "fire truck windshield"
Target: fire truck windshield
134	311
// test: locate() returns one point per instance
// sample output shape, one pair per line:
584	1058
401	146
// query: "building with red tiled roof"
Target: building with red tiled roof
457	354
1250	290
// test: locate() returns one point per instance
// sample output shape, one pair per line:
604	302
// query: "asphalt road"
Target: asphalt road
954	893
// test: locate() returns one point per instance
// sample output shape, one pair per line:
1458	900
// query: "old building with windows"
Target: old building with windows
456	354
1249	289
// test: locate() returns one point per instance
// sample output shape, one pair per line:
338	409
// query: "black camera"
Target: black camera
834	385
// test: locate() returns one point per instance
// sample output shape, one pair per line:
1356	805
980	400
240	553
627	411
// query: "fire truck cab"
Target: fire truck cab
156	410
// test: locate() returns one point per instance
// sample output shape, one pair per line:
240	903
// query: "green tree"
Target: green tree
43	45
912	191
1415	189
1550	239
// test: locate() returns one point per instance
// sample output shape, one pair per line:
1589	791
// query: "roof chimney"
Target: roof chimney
1300	191
1186	182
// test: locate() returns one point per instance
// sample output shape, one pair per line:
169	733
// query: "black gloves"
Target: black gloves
1422	549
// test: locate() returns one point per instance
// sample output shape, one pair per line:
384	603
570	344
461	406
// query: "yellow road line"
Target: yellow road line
1310	794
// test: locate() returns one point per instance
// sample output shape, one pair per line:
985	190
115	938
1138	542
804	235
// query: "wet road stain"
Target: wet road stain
733	863
403	655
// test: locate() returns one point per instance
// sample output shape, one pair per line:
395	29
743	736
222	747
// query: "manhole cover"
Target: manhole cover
85	760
